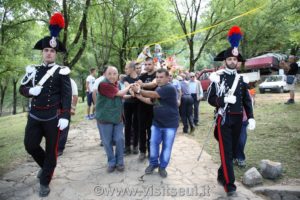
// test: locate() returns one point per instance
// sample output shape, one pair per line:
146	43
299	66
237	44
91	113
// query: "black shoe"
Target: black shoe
196	124
127	151
39	173
232	194
110	169
150	169
142	156
290	101
192	129
59	153
162	172
44	190
221	182
120	168
101	144
135	150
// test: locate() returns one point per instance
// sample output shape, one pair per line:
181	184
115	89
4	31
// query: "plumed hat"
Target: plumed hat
57	23
234	37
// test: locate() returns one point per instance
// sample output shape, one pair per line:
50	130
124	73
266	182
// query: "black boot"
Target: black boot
44	190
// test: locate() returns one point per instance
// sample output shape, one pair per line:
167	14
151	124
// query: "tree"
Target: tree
188	14
82	31
269	29
137	26
103	31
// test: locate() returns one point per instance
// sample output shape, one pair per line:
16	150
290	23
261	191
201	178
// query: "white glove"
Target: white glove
230	99
214	77
36	90
62	123
251	125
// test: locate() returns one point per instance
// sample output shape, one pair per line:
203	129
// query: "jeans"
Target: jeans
110	133
98	126
240	155
166	136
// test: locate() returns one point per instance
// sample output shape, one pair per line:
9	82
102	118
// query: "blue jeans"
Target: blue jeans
110	133
166	136
98	126
240	154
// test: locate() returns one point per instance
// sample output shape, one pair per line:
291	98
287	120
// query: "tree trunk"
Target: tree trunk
15	81
83	88
121	59
192	61
82	30
2	93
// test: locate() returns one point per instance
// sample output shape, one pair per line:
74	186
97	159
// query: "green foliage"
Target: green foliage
119	29
273	28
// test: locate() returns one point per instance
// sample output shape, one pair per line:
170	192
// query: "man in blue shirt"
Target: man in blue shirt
165	120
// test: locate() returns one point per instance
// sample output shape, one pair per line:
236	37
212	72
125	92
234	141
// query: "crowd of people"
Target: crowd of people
146	104
136	112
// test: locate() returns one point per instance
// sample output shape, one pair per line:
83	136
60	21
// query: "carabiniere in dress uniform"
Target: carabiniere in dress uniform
228	92
49	87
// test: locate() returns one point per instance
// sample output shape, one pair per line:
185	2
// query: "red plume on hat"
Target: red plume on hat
57	23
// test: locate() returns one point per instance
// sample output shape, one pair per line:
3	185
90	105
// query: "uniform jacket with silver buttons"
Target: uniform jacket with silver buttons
56	94
218	90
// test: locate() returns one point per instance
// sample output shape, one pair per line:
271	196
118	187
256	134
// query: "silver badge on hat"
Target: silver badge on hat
53	42
235	51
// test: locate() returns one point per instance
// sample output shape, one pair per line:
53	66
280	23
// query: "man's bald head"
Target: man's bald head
111	74
112	68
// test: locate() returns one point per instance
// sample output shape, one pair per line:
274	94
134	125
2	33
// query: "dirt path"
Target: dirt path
81	174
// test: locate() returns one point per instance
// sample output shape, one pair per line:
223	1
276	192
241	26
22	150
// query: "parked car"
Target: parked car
204	79
274	83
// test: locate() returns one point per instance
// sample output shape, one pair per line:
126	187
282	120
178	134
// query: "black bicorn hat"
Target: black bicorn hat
234	37
56	24
228	53
50	42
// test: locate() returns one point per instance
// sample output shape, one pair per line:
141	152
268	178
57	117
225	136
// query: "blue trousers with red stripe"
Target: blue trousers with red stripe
228	137
46	159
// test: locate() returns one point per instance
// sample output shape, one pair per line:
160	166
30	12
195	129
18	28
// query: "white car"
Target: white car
274	83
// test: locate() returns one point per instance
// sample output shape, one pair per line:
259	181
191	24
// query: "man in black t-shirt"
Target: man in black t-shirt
291	69
130	111
145	111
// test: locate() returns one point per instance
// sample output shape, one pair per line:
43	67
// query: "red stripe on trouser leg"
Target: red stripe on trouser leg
56	147
221	147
